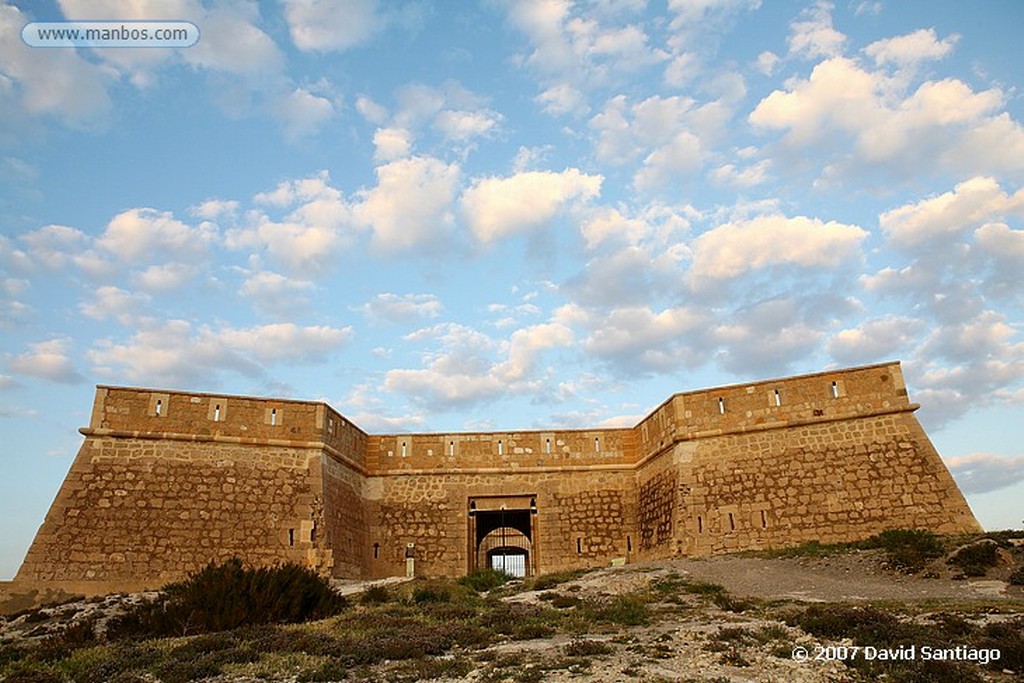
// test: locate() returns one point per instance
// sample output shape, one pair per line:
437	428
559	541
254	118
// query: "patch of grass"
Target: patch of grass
548	581
625	610
483	580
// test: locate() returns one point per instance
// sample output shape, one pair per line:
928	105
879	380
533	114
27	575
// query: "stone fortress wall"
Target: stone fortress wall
168	481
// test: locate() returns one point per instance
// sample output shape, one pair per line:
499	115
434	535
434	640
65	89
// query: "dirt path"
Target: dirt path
852	576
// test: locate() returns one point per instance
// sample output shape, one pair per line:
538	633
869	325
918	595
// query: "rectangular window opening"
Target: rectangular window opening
547	445
700	524
405	450
159	407
376	551
291	537
273	417
721	406
778	398
216	413
579	546
629	544
501	448
597	445
835	390
732	523
451	448
764	519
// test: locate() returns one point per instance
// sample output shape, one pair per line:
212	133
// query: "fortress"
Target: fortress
167	481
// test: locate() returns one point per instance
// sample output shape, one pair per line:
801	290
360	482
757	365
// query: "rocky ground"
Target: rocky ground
692	632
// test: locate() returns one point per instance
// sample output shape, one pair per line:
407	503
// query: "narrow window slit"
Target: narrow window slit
376	551
835	390
451	448
597	445
501	448
216	413
159	407
700	524
732	523
721	406
405	449
778	398
764	519
629	544
273	417
547	445
291	537
579	546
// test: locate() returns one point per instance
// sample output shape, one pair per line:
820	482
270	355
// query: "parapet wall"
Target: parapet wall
168	481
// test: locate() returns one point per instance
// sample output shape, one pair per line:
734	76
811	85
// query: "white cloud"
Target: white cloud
411	205
684	154
172	353
495	208
391	144
984	472
53	246
941	123
320	25
766	62
165	277
113	302
911	48
732	249
141	235
970	204
48	360
302	112
609	225
874	340
641	339
526	343
463	125
752	175
371	111
573	52
402	307
813	35
55	82
276	294
310	236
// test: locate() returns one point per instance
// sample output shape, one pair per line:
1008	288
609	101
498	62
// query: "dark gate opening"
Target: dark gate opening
503	538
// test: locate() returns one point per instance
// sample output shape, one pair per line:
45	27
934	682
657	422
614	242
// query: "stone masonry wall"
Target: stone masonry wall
829	482
142	511
430	511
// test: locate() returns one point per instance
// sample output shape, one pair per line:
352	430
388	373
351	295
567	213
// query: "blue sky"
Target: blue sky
513	214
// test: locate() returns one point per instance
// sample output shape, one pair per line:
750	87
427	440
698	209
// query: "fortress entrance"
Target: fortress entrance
502	534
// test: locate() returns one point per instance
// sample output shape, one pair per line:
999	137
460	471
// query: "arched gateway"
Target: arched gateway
502	530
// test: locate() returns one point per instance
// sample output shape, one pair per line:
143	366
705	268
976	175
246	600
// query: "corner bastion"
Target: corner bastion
167	481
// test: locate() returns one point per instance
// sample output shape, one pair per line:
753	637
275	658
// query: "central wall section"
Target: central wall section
582	519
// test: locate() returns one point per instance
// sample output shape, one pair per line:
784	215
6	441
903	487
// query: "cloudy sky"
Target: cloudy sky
513	214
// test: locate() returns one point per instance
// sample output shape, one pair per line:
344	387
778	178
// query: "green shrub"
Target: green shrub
1017	576
626	610
907	550
976	559
375	595
229	595
483	580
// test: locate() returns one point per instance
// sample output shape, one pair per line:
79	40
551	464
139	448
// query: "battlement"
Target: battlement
738	408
